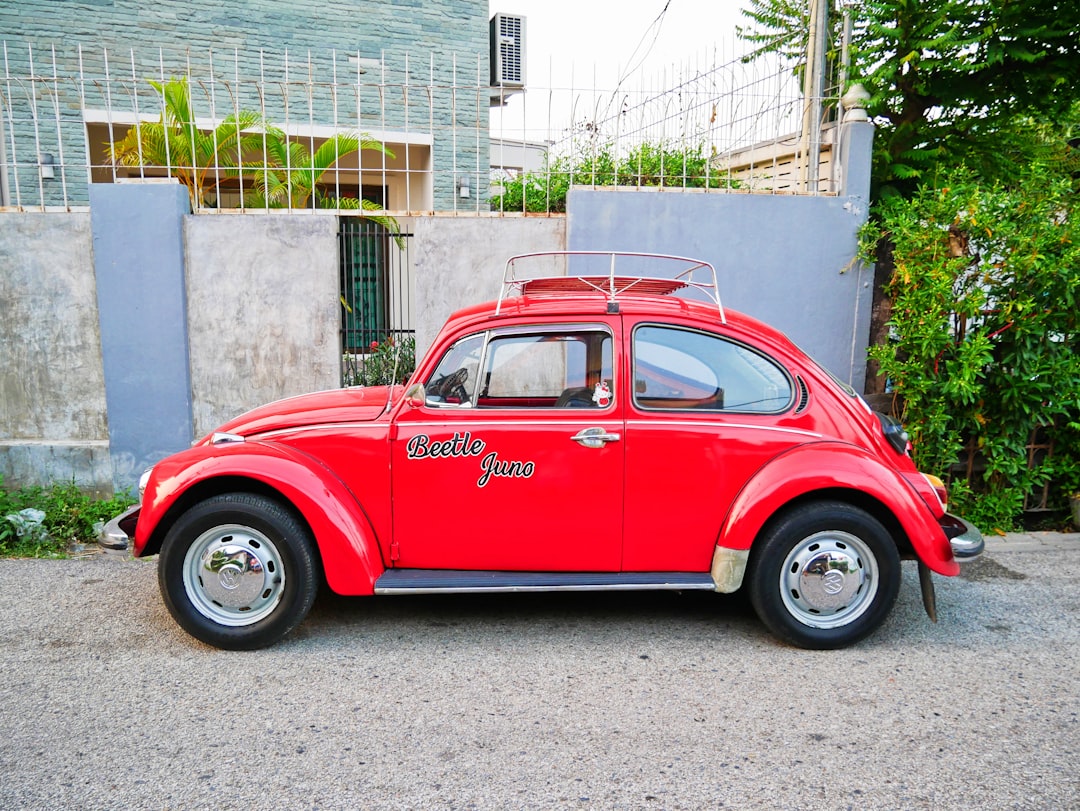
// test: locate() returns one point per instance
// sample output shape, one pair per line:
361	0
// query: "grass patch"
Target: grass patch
68	518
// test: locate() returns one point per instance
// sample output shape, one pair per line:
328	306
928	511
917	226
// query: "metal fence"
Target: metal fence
236	125
724	124
378	343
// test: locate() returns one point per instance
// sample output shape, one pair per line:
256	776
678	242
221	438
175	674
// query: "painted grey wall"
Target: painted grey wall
459	261
52	385
783	259
263	311
138	261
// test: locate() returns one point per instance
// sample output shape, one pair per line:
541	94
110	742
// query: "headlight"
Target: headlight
143	479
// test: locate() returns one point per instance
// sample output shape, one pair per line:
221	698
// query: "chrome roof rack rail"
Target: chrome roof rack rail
697	275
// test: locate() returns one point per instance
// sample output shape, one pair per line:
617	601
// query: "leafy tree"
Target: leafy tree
977	107
944	77
191	155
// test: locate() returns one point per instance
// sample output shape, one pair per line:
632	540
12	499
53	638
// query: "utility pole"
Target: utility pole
814	92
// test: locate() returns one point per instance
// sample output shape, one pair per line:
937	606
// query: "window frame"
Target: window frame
491	334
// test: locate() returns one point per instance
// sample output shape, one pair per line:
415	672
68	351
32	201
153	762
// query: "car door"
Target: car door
701	420
514	460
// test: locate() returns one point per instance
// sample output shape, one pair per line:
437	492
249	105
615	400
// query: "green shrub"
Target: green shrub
69	517
985	324
646	165
385	363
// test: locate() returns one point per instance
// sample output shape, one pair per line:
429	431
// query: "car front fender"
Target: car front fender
829	469
347	543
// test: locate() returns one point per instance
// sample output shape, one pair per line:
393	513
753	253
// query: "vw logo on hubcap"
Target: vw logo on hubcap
229	577
832	582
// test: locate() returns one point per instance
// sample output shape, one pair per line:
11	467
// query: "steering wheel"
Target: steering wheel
452	386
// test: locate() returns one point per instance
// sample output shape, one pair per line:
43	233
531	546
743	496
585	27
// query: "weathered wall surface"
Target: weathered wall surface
263	310
250	312
52	390
460	262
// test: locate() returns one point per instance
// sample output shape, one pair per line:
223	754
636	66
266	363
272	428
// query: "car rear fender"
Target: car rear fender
836	470
346	540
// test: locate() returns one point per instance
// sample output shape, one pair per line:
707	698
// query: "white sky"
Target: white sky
617	37
593	44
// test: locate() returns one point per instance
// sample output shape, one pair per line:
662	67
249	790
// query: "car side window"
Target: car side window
453	382
557	369
687	369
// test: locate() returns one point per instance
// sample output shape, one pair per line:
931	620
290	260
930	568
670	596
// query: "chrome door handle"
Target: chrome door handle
595	437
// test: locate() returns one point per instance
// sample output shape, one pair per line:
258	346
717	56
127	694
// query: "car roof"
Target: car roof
576	306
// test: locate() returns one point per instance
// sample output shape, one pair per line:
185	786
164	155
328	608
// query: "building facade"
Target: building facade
412	76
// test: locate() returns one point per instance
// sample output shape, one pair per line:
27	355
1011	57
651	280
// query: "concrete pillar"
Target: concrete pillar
139	264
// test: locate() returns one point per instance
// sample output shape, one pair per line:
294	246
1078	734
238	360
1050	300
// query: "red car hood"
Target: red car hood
360	404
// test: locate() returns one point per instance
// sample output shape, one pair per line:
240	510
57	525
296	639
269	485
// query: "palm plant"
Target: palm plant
193	156
292	175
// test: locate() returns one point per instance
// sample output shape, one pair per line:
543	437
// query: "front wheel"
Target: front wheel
238	571
824	575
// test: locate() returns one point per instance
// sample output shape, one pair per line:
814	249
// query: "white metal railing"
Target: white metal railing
452	143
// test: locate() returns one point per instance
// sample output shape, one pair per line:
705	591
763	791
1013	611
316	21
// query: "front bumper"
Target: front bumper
966	541
120	532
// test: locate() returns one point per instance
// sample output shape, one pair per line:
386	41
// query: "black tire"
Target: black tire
238	571
823	575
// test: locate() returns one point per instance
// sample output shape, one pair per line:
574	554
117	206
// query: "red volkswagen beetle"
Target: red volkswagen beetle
597	427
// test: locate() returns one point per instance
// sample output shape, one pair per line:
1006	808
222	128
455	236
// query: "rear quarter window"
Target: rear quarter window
677	368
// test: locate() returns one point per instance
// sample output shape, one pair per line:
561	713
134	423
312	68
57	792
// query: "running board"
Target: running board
456	581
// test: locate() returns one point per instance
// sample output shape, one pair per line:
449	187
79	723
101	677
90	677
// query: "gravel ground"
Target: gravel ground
634	701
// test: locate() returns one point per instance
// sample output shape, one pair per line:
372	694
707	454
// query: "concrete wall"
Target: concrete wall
53	423
206	316
783	259
460	261
787	260
263	310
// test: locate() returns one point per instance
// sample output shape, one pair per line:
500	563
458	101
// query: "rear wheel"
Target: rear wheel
824	575
238	571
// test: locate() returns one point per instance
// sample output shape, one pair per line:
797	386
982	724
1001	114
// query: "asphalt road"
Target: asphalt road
540	701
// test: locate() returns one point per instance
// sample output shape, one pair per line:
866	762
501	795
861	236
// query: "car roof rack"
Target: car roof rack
697	275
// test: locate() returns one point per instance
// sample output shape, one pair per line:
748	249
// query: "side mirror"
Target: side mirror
415	396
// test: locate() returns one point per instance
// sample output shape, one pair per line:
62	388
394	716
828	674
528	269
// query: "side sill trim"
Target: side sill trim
453	581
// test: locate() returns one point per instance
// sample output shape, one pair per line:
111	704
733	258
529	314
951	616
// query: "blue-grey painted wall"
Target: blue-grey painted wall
789	260
141	300
784	259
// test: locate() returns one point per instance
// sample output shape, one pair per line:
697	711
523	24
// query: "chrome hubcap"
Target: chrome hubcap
829	579
234	575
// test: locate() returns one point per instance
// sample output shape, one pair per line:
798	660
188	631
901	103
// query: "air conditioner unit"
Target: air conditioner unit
507	50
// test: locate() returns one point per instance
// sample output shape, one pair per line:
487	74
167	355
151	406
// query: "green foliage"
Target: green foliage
69	519
385	363
646	165
945	78
194	156
985	325
273	170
